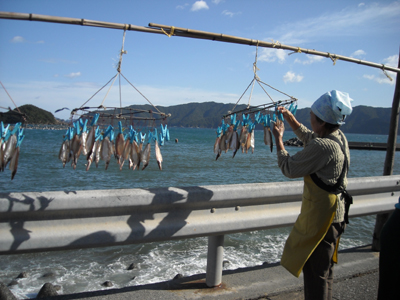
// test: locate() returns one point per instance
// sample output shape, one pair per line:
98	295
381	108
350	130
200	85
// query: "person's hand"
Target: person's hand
285	112
278	130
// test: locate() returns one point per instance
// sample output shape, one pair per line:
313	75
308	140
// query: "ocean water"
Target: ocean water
189	162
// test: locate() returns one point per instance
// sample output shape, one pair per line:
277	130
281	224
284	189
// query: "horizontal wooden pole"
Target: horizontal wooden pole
190	33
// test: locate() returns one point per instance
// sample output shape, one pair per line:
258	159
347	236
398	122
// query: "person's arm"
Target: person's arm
289	117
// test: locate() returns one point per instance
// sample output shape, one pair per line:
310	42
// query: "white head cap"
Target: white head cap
333	107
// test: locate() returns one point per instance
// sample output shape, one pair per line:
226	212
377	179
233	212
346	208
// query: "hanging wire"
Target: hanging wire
257	79
23	116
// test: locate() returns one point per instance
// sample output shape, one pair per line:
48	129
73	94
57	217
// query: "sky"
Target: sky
53	66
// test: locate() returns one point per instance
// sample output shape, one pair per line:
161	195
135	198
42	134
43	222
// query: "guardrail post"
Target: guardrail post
215	258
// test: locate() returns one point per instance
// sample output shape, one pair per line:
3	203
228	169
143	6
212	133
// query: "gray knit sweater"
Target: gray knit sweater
322	156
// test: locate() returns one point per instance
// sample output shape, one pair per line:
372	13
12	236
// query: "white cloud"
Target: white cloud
381	78
310	59
199	5
272	55
292	77
182	6
73	75
230	14
18	39
361	4
217	1
348	22
358	53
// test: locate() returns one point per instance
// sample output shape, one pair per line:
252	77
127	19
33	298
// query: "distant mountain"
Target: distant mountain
33	115
364	119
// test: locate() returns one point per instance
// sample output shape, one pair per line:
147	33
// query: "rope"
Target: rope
12	101
387	75
122	50
297	51
115	77
171	32
242	95
99	90
141	94
334	59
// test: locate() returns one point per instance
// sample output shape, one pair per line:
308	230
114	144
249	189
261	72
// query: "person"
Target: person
323	162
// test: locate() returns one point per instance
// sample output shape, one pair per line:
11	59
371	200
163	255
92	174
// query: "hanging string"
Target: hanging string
23	115
141	94
384	72
99	90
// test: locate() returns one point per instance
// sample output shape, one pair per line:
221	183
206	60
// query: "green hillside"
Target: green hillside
33	115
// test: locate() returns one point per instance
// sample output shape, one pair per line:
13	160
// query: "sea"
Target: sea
188	160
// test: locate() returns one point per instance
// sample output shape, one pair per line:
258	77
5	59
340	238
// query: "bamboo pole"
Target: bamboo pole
178	31
389	160
189	33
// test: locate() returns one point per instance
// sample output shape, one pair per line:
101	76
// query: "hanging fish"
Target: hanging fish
125	153
93	132
135	155
235	143
14	163
252	141
268	137
65	152
119	143
229	133
18	133
97	155
145	156
106	151
76	145
9	150
158	155
84	137
243	137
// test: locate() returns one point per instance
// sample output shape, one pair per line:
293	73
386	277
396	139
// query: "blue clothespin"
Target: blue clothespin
233	119
162	140
294	110
246	119
142	138
112	135
155	136
95	119
267	120
219	131
251	126
132	134
3	130
67	134
257	118
16	127
20	138
291	107
274	117
84	127
136	137
108	131
167	135
236	125
149	137
120	127
280	116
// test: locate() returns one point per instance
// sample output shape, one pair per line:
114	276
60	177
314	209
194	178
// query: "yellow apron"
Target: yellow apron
318	210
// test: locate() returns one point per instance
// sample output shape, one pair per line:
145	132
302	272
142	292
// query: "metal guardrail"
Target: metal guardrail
31	222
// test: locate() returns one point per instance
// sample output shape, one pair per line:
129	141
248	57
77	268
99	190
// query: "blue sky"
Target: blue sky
56	65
